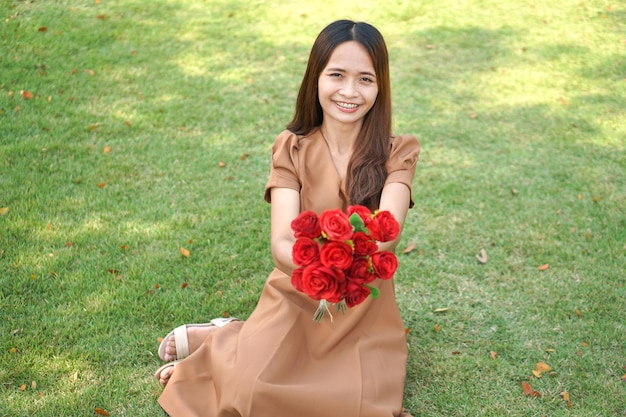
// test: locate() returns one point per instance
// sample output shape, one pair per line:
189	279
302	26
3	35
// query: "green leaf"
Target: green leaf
374	292
357	223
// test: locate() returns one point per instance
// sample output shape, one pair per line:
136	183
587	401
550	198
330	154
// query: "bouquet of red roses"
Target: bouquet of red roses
337	255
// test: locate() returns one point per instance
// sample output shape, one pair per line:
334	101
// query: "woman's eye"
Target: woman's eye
367	80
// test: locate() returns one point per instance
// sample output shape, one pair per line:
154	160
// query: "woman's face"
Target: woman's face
347	87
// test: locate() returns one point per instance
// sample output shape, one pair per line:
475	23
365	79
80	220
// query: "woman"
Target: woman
337	151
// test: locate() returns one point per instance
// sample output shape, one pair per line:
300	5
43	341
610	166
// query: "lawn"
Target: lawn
134	148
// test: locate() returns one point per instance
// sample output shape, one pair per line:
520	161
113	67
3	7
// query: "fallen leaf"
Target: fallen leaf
42	29
13	350
127	123
563	101
456	352
106	149
578	313
473	116
3	211
184	252
585	344
184	285
482	256
23	387
540	368
90	72
100	411
102	185
436	328
565	396
113	271
33	385
125	247
408	329
243	156
157	286
544	267
159	339
528	390
409	248
101	16
69	244
441	310
493	354
27	95
221	165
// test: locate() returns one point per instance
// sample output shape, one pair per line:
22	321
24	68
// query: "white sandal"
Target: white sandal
181	340
157	374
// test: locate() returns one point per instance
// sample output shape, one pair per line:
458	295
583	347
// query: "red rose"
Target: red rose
336	254
296	279
355	294
363	244
364	213
322	283
305	251
336	225
360	272
306	224
384	227
385	264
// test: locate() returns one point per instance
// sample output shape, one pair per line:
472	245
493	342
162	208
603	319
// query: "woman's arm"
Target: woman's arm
395	198
285	207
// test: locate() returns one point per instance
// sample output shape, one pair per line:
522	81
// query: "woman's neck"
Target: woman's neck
340	138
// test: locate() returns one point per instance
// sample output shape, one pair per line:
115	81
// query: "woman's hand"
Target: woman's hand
395	198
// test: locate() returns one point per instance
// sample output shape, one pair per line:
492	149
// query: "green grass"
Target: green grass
519	107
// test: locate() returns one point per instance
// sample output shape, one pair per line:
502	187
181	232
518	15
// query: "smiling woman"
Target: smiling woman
337	152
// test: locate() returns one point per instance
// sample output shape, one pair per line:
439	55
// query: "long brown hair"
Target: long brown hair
366	170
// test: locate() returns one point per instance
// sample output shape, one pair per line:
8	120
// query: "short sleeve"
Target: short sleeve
402	160
284	166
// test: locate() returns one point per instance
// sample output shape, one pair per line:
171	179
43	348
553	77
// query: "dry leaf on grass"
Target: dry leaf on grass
409	248
540	368
565	396
528	390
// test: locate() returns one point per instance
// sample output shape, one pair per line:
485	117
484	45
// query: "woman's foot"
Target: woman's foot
185	339
164	373
195	337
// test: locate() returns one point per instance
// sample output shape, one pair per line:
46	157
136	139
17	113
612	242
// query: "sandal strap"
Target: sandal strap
182	342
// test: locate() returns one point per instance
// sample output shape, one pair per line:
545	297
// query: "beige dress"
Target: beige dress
281	363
